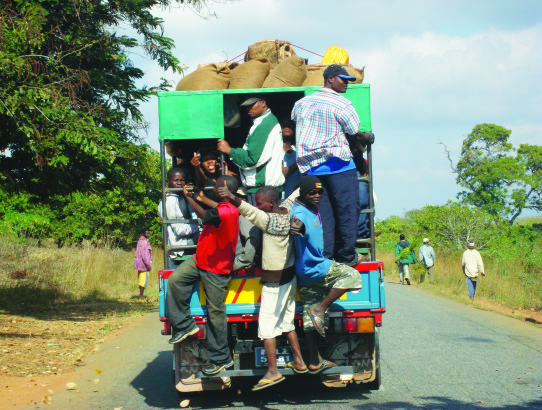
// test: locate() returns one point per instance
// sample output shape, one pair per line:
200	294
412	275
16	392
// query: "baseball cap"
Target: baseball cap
251	101
335	70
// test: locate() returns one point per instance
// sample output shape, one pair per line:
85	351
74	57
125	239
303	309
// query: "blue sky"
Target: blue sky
436	69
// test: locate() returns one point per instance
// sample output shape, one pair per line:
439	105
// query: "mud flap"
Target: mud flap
350	350
189	357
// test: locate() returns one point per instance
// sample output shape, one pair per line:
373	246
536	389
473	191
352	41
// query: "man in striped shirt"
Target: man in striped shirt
325	121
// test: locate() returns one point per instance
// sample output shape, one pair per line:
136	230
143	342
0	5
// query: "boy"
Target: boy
212	264
277	308
322	281
176	208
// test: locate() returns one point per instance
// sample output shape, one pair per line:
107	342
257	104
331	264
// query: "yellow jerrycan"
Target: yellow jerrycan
335	55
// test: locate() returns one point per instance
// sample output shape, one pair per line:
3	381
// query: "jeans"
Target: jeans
364	231
471	286
403	269
339	211
179	293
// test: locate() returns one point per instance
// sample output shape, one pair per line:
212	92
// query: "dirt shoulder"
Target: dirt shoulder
43	347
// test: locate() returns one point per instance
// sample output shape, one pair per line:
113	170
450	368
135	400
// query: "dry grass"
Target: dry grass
503	283
57	305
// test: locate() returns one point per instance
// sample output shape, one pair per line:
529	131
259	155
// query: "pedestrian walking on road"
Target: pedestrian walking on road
404	256
472	266
427	257
143	261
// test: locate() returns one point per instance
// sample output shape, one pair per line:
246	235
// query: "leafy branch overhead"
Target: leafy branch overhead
497	177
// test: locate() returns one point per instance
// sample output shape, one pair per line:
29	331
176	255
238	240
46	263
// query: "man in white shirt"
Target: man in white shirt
472	266
427	257
179	234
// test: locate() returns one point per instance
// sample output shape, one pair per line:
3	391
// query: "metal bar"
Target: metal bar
163	181
186	221
367	211
189	189
284	371
371	201
180	247
366	179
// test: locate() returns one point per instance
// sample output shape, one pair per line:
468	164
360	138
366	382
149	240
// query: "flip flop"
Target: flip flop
295	369
317	322
264	383
326	364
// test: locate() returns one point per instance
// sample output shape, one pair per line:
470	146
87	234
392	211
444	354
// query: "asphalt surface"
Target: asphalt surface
436	354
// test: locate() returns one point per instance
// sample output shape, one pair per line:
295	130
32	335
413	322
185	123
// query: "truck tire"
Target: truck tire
375	384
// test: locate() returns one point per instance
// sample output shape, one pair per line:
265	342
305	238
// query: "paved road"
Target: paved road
436	354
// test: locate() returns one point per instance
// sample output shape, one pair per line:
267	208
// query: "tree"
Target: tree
69	103
451	225
494	177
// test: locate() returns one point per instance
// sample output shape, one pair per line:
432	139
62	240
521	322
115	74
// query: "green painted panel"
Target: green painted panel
189	115
199	114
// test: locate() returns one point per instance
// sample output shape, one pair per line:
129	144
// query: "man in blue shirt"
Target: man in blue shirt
321	281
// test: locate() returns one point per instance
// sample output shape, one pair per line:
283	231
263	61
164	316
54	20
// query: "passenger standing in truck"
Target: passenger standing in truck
323	120
321	281
212	265
179	233
277	308
260	159
289	167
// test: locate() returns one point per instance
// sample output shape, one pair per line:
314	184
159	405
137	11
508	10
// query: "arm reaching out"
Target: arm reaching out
297	227
224	193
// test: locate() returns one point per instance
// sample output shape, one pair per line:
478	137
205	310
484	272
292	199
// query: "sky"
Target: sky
436	68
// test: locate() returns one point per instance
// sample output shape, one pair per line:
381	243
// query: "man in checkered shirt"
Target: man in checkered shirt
324	121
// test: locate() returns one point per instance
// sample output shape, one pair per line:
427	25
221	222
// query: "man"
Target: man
321	280
472	266
277	308
212	264
179	234
260	159
290	169
427	257
404	256
323	121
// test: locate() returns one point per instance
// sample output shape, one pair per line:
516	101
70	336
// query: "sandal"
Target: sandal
317	322
326	364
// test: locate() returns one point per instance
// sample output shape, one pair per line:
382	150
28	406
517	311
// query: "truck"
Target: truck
352	340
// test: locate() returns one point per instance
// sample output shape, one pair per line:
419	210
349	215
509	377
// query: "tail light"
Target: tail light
354	325
201	332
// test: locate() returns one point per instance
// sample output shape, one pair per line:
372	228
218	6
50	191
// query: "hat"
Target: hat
470	244
425	240
242	191
251	101
307	183
335	70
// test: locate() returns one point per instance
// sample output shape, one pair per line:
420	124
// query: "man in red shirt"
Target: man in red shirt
212	264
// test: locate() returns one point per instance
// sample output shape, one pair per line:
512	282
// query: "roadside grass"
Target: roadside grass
504	284
58	305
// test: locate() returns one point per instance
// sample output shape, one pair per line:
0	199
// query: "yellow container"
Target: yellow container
335	55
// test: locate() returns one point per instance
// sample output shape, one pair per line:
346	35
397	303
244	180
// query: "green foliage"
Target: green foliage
451	225
496	178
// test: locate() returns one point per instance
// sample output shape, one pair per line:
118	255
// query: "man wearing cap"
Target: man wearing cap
427	257
324	120
472	266
321	281
260	159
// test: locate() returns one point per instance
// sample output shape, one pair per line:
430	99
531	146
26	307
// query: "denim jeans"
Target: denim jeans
339	210
179	293
364	231
471	286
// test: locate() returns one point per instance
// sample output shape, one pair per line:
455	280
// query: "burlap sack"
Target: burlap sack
215	76
316	74
250	74
273	51
291	72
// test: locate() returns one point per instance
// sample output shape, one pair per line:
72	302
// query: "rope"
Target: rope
243	53
304	49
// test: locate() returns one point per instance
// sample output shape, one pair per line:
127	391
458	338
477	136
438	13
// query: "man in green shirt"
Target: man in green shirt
260	159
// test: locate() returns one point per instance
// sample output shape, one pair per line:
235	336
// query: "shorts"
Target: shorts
339	276
277	309
142	278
